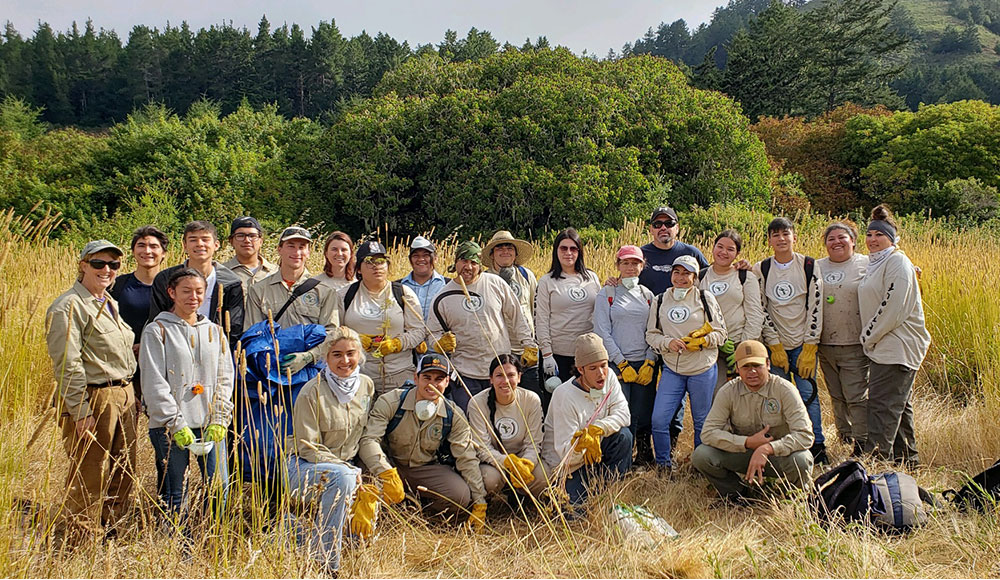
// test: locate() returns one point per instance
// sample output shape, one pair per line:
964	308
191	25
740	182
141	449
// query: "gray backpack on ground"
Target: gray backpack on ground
903	500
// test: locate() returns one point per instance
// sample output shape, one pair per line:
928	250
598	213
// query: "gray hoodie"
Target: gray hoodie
174	356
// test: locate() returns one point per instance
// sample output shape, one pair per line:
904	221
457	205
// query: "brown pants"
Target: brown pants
447	491
100	479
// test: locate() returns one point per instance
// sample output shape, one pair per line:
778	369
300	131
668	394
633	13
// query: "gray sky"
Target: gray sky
593	25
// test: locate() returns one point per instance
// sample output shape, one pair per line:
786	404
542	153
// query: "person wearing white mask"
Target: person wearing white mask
620	315
895	338
417	436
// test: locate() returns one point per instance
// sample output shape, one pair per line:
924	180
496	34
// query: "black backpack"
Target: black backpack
704	305
808	265
981	492
444	455
352	291
848	492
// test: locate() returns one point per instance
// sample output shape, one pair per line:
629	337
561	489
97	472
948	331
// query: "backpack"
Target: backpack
741	273
981	492
904	502
352	291
704	305
444	455
846	491
808	265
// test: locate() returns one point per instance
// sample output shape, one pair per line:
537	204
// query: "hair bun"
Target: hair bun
881	212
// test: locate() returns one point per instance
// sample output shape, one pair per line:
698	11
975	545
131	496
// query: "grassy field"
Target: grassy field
958	395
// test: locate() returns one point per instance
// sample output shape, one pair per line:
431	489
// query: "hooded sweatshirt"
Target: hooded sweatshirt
892	314
174	357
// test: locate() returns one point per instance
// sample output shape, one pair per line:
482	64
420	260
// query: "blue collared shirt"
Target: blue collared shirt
427	291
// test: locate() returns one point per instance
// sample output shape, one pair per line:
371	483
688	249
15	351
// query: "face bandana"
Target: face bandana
344	388
876	259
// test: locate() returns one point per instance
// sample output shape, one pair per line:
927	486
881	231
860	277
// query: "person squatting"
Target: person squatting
494	383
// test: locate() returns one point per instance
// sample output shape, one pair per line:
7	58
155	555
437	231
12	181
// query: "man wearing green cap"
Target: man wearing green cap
475	317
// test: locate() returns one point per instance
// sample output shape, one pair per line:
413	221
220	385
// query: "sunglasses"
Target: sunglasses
100	264
661	223
372	260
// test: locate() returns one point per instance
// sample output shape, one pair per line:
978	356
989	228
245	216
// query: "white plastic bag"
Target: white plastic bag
641	526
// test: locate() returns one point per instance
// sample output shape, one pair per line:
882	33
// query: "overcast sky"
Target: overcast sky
594	25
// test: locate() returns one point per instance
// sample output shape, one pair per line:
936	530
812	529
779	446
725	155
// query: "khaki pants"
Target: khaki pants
726	469
494	481
100	479
447	491
845	370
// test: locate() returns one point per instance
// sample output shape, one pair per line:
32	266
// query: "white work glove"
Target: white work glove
550	366
295	362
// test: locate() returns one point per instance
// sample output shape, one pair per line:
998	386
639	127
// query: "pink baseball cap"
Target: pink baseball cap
630	252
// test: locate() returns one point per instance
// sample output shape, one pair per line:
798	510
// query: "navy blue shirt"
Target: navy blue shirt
133	301
656	274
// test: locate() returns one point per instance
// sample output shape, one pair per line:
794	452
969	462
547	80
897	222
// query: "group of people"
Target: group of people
492	381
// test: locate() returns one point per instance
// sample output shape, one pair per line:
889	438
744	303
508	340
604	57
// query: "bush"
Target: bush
968	200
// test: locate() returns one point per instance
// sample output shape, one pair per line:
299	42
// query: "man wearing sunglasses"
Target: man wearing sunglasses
224	290
664	248
316	305
247	237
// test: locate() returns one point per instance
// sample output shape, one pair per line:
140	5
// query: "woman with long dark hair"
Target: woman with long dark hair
338	261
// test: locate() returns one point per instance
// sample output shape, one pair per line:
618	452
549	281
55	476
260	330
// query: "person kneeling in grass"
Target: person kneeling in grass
187	384
429	440
758	426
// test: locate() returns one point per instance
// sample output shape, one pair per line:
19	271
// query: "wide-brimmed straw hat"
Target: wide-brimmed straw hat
524	249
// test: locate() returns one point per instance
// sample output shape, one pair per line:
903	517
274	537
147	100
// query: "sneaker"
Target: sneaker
819	454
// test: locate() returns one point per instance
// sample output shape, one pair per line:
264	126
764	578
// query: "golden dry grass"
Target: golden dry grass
956	410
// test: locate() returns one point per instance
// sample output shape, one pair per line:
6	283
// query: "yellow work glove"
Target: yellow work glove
807	361
389	346
779	358
367	340
588	442
530	356
184	437
392	486
628	373
215	432
694	344
446	343
646	372
520	470
703	331
421	348
477	518
363	511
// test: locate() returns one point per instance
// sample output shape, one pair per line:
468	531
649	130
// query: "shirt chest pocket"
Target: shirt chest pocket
103	334
307	307
334	424
770	411
430	437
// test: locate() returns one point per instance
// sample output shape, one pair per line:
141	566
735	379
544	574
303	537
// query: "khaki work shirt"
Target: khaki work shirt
414	443
738	412
317	306
89	344
324	429
246	276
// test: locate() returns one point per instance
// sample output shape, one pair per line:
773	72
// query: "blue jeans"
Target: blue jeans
457	393
172	463
670	396
806	390
327	488
640	401
616	460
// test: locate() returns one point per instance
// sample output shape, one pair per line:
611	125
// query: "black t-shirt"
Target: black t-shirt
656	274
133	301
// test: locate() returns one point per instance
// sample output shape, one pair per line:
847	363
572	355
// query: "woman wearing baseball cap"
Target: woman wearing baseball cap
620	315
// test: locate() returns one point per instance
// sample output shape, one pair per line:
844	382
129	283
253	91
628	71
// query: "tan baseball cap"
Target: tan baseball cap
750	352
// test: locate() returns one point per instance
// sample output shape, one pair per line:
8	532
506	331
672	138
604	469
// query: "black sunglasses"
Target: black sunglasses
660	223
100	264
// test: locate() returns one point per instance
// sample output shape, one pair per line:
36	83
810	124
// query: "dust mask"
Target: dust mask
680	293
630	283
425	409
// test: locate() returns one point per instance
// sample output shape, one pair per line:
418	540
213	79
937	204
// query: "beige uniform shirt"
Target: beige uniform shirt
519	426
380	315
495	308
784	299
414	443
738	412
324	429
564	309
842	315
248	277
317	306
89	344
679	318
334	284
740	303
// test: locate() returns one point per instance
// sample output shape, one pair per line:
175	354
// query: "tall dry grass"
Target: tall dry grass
957	430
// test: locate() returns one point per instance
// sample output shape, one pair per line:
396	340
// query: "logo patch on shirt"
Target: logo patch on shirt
718	288
772	406
507	428
435	431
784	291
578	294
833	277
473	304
370	310
310	299
678	314
516	288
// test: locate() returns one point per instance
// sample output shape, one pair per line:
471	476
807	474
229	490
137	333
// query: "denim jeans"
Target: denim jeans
669	395
327	489
806	390
640	401
616	460
172	463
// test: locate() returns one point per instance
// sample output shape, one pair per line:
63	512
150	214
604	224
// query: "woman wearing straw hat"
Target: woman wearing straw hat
187	384
91	350
895	338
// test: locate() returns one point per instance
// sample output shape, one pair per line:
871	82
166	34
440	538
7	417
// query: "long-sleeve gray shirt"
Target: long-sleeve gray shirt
620	317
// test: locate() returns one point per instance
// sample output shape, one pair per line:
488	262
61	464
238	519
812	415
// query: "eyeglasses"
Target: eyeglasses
661	223
100	264
376	261
570	249
242	237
